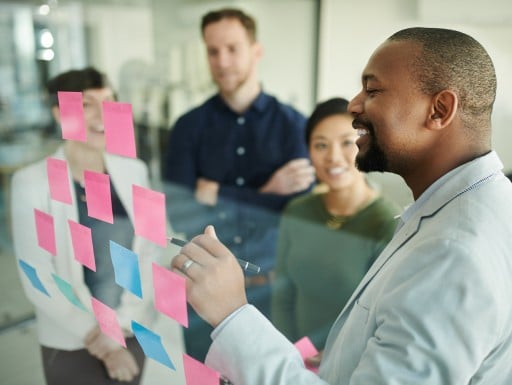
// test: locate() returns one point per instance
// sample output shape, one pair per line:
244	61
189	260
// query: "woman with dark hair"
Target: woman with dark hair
74	350
349	219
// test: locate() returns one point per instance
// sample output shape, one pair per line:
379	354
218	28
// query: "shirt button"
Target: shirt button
222	215
240	120
237	239
240	181
240	150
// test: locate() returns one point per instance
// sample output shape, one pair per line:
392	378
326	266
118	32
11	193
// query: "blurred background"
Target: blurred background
153	53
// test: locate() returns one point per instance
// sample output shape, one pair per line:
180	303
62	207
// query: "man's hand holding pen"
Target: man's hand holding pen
214	277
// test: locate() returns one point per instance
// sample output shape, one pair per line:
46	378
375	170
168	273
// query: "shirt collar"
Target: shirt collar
259	104
485	161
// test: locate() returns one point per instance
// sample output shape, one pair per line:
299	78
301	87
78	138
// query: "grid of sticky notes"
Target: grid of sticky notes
149	219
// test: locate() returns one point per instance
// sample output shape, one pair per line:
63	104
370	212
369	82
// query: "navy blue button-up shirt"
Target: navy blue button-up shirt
240	152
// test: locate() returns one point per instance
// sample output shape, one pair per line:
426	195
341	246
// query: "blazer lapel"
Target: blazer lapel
123	185
468	178
403	235
61	213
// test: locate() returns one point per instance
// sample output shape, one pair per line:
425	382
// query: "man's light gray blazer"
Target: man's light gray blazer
434	308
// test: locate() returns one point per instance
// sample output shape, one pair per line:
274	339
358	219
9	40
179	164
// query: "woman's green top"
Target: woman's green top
318	267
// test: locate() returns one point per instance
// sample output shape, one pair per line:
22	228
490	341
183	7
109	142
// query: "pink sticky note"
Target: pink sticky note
45	231
197	373
170	294
119	131
306	350
97	196
149	214
72	118
81	239
107	321
58	180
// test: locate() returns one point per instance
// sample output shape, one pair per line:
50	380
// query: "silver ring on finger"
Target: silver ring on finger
186	265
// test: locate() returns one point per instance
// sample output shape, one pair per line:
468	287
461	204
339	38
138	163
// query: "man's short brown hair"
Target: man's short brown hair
246	20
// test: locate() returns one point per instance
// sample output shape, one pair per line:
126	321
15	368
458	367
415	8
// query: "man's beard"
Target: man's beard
374	159
232	86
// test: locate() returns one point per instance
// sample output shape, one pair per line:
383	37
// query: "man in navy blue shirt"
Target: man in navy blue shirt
235	161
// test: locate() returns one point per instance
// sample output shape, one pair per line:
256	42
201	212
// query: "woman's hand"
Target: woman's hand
98	344
121	365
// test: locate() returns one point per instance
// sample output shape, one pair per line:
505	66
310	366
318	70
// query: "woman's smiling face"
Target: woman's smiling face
93	115
333	149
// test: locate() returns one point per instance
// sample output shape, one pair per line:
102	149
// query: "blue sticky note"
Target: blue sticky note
151	344
67	290
126	268
31	274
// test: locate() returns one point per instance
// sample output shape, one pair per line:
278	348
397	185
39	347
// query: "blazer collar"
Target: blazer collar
122	179
464	178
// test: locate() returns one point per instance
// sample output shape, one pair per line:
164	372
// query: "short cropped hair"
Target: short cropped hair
330	107
76	81
247	21
450	59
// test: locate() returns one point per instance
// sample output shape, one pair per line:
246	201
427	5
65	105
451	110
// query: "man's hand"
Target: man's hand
295	176
207	191
215	281
121	365
98	344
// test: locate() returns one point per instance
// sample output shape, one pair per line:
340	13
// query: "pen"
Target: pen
247	266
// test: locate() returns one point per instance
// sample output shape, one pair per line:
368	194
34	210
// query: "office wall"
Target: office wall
351	30
119	34
287	66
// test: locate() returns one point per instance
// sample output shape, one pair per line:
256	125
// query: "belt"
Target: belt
259	280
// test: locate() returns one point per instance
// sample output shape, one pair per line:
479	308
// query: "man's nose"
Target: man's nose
355	106
223	59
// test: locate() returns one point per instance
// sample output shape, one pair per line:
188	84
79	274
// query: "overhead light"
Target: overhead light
46	38
45	54
44	9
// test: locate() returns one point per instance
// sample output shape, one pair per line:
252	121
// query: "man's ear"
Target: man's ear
258	50
442	110
56	113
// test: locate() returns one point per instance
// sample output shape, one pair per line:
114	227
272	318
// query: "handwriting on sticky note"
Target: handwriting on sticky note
72	119
119	131
170	294
149	214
